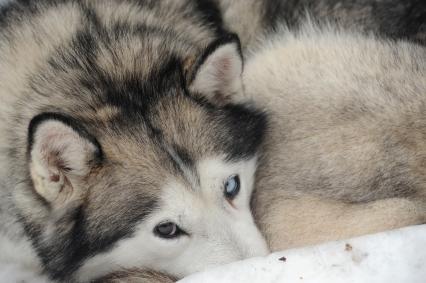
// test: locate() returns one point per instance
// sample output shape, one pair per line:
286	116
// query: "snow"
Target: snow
397	256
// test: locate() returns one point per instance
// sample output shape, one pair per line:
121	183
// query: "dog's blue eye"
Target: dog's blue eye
232	187
167	230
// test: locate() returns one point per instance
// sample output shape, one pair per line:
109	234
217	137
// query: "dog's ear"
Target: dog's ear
61	154
217	73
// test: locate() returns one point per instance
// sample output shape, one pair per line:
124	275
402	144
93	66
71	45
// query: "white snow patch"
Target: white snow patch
397	256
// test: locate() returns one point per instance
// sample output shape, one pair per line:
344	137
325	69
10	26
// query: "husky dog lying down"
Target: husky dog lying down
118	147
124	144
345	149
344	153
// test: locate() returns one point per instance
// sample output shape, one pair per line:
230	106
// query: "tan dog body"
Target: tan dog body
345	151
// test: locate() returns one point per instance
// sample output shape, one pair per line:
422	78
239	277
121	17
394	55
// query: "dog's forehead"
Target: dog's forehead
149	162
136	156
170	142
186	127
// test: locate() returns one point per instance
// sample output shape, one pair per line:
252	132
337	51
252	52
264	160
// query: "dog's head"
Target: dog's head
157	174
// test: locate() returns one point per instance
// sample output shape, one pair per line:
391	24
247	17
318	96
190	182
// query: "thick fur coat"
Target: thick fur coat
345	149
386	18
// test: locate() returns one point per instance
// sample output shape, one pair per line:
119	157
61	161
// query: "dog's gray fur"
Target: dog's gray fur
120	78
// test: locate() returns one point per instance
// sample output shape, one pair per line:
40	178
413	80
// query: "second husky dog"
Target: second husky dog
118	147
345	153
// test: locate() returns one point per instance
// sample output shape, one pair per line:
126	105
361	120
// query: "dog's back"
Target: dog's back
389	18
346	149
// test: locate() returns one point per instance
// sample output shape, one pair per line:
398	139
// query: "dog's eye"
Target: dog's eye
167	230
232	187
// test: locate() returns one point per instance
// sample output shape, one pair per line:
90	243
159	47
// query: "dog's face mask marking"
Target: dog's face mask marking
194	227
162	183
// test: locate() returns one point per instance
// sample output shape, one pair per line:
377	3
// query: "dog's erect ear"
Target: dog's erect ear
61	154
217	73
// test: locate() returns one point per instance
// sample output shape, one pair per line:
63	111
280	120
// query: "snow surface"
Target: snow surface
397	256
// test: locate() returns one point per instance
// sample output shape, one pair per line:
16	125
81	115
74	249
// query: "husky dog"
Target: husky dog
345	152
119	146
388	18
